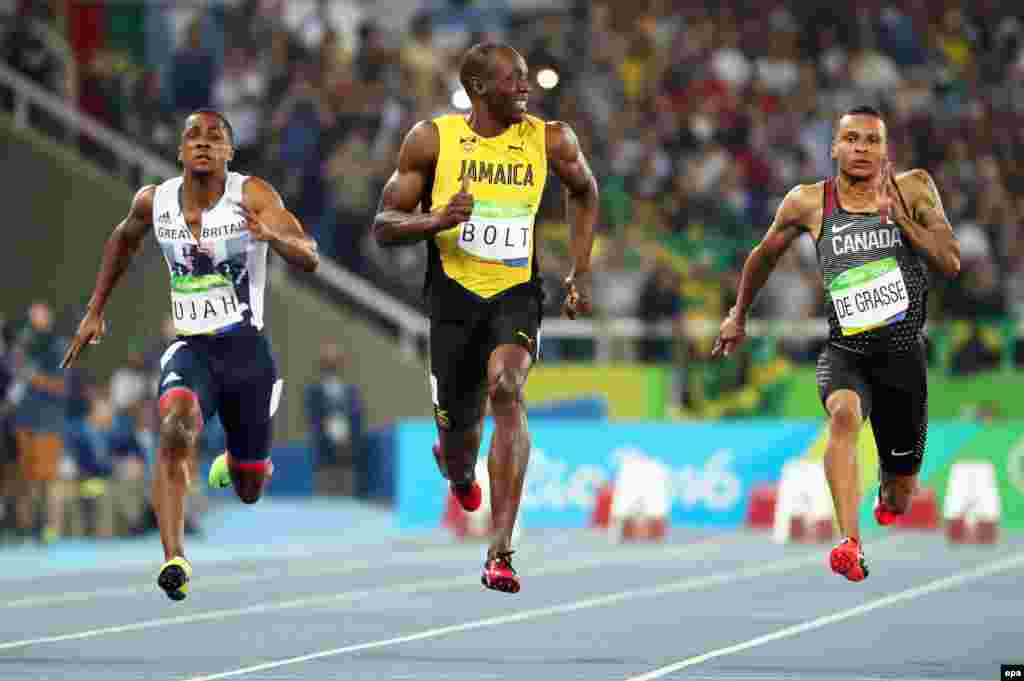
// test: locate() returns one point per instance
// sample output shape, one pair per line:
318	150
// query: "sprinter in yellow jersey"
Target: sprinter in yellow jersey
479	180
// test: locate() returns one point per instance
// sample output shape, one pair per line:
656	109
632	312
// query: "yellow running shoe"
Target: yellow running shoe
220	476
174	577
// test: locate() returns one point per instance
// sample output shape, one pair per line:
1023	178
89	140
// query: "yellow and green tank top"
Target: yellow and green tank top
494	250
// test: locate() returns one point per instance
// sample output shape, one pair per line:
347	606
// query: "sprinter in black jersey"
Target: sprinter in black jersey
876	233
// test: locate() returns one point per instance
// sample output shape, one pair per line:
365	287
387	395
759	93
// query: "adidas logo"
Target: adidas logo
171	378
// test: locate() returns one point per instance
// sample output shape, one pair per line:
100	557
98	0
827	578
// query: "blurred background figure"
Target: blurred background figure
131	438
9	474
334	412
39	424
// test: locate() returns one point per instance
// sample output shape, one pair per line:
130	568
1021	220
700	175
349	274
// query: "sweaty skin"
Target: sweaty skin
204	152
498	94
866	183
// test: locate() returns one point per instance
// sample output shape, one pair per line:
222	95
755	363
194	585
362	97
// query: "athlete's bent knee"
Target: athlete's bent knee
507	388
845	418
178	432
181	421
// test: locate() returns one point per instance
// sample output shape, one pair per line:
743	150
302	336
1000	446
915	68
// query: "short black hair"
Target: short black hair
476	63
865	110
221	116
862	110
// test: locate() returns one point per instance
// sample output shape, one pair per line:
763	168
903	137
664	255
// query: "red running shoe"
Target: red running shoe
469	495
499	575
883	515
847	559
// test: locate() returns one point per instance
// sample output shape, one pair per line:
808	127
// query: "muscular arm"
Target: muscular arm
927	226
396	223
790	221
286	235
121	247
567	161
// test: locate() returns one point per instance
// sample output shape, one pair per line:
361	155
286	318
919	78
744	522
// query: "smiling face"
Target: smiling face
206	144
506	89
860	145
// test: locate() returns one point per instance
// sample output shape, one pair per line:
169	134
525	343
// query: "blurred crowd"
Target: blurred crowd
76	453
696	118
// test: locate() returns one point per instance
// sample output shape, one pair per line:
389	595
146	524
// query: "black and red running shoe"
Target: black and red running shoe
499	574
469	494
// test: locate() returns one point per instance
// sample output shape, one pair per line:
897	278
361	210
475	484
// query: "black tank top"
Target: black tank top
876	286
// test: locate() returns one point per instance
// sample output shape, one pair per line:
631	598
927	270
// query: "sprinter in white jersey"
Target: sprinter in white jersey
214	228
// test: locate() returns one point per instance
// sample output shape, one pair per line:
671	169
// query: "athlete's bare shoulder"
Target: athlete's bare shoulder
142	204
915	182
566	158
420	148
921	196
417	161
560	138
801	208
140	215
257	193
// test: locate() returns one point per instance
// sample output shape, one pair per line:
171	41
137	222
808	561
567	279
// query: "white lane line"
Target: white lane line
565	566
690	584
448	553
453	553
278	572
793	676
943	584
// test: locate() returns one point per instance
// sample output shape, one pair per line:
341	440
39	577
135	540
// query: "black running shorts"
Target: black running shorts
233	375
893	390
463	334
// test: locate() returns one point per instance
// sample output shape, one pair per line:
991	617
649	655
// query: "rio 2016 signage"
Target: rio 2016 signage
711	467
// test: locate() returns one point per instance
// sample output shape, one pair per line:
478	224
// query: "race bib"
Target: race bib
204	304
869	296
498	233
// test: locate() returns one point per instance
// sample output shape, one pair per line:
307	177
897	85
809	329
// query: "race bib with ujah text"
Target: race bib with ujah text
204	304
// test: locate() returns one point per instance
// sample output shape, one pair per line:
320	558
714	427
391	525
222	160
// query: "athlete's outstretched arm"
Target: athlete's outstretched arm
925	224
121	247
396	222
268	220
568	162
788	224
